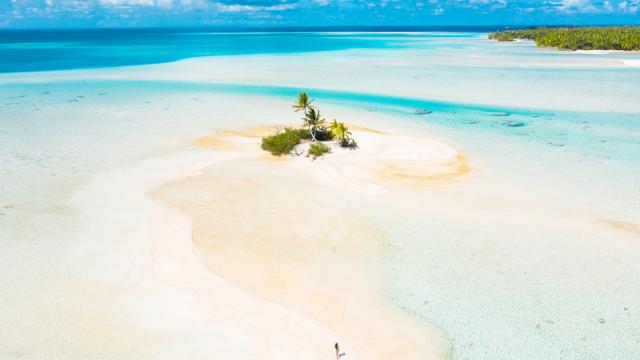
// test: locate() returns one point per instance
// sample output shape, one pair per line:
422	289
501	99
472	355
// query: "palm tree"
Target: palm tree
340	131
333	125
303	103
312	119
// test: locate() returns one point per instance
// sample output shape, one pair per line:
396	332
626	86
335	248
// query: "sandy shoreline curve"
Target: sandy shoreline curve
290	230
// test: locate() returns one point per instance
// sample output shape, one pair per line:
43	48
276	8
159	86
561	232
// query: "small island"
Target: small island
624	38
383	158
314	133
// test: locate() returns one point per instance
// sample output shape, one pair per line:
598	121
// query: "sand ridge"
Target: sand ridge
629	227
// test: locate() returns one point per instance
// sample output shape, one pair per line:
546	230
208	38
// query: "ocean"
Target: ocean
44	50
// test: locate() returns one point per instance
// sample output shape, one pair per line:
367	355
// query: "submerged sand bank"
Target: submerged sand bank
291	231
457	74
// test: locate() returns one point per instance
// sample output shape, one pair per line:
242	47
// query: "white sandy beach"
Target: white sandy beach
312	254
222	318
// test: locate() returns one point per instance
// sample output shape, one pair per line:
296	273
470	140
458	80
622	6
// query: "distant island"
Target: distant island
625	38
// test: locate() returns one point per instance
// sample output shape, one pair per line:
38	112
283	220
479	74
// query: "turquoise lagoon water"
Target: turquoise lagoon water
497	290
41	50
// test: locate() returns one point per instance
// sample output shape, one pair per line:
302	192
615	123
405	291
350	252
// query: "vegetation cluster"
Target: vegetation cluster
314	129
282	143
318	149
577	38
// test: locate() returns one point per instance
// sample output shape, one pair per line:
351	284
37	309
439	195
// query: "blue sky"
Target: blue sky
169	13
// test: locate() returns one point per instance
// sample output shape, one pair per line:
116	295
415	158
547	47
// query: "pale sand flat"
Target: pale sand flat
387	160
275	232
282	230
632	63
629	227
383	158
172	298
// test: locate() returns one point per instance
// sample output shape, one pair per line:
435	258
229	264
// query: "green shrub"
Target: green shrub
577	38
318	149
281	143
305	134
324	134
348	143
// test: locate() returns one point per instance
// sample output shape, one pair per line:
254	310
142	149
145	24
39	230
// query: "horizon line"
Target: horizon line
294	28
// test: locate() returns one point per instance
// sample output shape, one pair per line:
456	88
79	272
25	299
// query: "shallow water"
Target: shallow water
516	262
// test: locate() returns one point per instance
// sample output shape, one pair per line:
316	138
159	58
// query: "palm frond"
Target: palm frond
303	103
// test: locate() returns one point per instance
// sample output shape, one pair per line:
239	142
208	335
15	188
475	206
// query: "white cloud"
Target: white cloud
576	6
488	2
492	4
160	3
439	6
253	8
630	7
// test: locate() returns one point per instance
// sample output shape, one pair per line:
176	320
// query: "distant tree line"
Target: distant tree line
577	38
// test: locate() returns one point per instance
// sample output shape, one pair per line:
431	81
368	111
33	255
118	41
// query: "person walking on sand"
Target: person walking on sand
338	354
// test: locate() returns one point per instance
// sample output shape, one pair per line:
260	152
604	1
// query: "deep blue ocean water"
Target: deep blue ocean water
45	50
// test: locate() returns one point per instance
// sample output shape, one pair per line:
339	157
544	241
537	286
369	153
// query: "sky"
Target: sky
16	14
